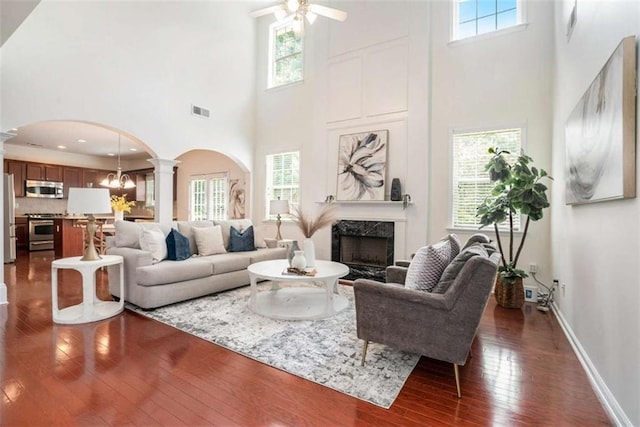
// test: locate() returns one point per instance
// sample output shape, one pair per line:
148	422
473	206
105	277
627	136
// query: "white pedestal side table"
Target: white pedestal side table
91	309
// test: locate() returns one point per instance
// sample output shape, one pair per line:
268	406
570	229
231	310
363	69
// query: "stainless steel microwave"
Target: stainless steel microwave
44	189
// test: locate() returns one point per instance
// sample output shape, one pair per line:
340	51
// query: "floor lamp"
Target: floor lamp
89	201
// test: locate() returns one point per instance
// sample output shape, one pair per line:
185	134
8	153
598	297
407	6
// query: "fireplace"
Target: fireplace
366	247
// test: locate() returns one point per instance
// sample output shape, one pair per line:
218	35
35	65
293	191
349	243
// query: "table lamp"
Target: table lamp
89	201
278	207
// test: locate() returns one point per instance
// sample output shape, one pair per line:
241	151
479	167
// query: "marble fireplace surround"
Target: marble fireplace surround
396	223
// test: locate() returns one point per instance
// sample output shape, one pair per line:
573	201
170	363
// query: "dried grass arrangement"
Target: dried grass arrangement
309	225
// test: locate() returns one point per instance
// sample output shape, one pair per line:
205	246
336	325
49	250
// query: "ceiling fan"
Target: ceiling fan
298	10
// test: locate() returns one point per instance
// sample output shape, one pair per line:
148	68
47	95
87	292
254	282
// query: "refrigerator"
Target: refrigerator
9	219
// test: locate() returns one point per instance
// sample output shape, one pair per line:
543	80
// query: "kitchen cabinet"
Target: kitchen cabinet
93	177
71	177
43	172
141	187
22	233
19	170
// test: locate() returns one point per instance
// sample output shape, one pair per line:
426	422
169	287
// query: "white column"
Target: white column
163	184
3	286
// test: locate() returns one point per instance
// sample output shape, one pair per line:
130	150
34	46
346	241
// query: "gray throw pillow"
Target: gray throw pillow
453	269
476	238
427	266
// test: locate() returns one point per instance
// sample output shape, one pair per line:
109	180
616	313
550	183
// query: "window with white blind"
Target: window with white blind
475	17
471	183
208	197
283	178
285	55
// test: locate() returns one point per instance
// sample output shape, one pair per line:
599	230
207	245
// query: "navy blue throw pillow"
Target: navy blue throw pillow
177	246
241	242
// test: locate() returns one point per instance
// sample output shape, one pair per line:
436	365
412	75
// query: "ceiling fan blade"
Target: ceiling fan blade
329	12
266	11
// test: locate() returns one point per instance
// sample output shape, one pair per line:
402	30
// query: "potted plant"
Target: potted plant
517	190
309	226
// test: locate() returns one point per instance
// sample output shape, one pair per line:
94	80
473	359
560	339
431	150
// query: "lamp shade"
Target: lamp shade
89	201
278	207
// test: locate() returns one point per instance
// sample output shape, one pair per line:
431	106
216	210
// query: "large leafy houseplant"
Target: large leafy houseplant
517	190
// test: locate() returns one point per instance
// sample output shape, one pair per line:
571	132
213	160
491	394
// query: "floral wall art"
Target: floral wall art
600	133
236	199
362	163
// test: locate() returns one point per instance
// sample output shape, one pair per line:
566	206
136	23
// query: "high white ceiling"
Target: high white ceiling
100	141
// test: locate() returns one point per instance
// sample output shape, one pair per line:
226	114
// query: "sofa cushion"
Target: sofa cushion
209	240
427	266
186	228
127	234
453	269
227	262
241	241
177	246
154	242
267	254
239	224
167	271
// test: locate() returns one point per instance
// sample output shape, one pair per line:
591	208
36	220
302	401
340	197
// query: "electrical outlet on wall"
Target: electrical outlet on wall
533	267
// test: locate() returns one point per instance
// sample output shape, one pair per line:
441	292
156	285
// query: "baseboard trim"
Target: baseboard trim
609	402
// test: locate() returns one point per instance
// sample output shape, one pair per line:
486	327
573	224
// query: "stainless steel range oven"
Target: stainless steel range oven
40	233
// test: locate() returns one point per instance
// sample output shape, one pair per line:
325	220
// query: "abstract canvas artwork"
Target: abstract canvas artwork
600	133
236	199
362	163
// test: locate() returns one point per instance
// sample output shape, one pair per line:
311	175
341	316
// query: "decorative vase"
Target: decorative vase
118	215
299	261
509	294
291	251
396	192
309	252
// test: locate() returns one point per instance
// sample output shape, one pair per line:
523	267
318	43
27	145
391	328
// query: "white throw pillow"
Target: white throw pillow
427	266
258	238
127	234
209	240
154	242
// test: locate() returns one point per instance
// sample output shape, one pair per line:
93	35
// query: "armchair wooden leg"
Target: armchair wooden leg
364	351
455	370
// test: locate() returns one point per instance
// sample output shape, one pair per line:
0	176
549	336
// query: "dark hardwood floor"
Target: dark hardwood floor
130	370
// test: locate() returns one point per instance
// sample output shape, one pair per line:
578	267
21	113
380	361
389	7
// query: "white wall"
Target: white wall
203	162
138	67
595	247
504	80
368	73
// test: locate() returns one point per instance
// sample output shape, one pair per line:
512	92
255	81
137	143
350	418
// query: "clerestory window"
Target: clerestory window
285	55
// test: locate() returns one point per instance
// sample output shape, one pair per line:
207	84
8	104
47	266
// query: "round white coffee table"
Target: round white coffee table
297	303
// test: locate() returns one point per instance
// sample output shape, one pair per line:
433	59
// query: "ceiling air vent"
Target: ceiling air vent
199	111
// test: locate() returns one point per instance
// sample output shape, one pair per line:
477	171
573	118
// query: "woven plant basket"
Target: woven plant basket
509	295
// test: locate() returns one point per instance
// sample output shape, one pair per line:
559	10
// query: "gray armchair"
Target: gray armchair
437	325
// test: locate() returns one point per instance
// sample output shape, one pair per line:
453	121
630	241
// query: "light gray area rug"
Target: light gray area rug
325	351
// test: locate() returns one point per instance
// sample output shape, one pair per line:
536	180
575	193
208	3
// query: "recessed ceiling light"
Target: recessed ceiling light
133	149
82	140
14	129
111	154
62	147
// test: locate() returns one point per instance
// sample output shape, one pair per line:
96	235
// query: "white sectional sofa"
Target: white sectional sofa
152	282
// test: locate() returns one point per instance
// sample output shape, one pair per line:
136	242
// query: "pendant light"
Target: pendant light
118	179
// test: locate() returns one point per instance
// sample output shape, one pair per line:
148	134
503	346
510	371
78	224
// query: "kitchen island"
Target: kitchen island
68	235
